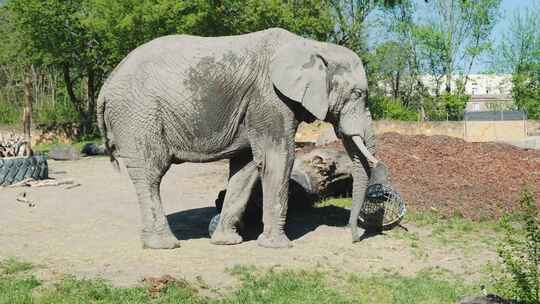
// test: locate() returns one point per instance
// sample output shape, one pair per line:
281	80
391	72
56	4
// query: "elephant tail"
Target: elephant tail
110	147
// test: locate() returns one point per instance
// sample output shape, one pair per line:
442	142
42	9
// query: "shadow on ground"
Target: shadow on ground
193	223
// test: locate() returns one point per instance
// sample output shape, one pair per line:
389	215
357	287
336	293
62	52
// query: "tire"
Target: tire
16	169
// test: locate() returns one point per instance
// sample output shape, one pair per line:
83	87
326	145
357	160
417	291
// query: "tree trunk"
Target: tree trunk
72	97
396	85
27	112
91	105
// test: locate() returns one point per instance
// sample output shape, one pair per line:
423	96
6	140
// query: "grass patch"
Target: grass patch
71	290
284	287
338	202
455	230
426	287
258	286
13	266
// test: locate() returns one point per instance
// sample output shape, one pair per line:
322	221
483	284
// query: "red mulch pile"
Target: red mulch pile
475	180
451	176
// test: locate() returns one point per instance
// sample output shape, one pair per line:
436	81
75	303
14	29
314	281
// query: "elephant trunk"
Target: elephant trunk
361	153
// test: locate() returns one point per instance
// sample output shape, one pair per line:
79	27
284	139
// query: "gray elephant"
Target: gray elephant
184	98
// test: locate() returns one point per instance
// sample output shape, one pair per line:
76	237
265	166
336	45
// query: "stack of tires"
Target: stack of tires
16	169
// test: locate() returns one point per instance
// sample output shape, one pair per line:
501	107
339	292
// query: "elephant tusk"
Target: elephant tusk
360	144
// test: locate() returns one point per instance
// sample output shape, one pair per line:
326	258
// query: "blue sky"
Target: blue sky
508	7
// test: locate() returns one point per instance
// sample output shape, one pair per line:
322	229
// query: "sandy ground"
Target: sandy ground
93	231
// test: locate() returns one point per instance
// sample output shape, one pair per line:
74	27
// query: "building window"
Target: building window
476	107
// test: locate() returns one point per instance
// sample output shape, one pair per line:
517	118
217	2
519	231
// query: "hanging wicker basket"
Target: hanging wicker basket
383	208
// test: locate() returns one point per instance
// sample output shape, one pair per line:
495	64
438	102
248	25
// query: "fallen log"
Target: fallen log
321	173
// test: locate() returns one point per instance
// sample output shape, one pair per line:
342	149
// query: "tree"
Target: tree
54	35
526	89
520	44
350	18
309	18
86	39
519	54
388	63
455	34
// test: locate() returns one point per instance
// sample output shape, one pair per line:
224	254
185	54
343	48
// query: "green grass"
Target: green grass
454	231
426	287
338	202
13	266
9	115
17	285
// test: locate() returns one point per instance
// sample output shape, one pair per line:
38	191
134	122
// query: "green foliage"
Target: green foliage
455	105
307	17
520	254
387	108
445	107
520	43
453	35
51	113
83	40
526	89
9	114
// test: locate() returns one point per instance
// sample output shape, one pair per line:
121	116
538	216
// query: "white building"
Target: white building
477	84
487	91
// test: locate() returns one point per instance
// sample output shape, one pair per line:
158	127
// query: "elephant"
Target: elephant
183	98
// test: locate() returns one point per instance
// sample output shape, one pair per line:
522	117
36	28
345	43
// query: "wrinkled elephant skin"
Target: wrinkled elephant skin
184	98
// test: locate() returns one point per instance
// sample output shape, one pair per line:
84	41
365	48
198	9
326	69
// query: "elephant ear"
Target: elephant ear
299	72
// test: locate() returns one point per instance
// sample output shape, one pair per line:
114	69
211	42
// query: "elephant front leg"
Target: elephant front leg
275	168
242	179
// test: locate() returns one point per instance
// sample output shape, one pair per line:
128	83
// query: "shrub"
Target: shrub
9	114
388	108
520	254
526	89
445	107
455	105
61	111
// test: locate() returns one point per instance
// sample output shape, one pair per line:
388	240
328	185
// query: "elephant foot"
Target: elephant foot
225	238
274	240
356	238
163	239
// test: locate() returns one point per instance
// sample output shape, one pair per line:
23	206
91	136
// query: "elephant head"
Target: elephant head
330	82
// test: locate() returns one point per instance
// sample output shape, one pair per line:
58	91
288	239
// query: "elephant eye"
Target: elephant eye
356	94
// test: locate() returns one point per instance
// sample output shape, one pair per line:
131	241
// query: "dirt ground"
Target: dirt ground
93	231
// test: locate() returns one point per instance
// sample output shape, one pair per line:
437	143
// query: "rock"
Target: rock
91	149
489	299
64	153
327	136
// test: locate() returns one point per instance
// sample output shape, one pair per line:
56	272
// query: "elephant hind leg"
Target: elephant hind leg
146	171
243	176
